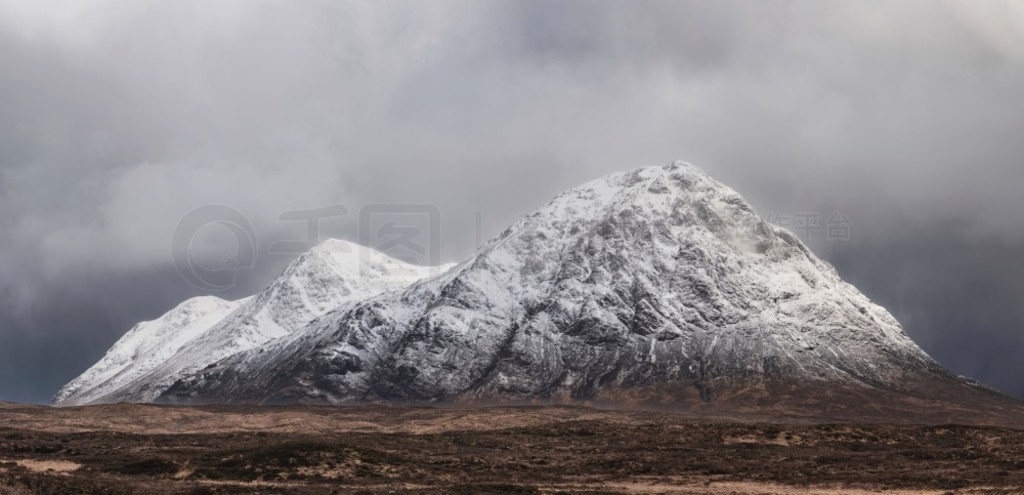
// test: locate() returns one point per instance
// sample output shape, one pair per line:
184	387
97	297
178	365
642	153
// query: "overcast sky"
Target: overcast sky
117	118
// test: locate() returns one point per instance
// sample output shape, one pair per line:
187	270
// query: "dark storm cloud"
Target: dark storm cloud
120	117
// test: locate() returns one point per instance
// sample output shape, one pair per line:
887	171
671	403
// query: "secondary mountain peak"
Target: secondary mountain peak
205	329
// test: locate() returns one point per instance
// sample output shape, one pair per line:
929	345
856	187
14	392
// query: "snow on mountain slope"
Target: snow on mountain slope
329	275
658	285
146	346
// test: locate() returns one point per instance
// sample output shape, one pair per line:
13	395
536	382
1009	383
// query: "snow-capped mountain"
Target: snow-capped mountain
204	330
659	285
147	345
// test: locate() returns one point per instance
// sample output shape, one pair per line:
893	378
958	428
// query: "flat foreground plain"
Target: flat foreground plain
139	449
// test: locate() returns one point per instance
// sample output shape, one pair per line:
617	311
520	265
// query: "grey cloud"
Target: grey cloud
119	118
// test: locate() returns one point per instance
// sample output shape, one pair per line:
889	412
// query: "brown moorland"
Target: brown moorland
146	449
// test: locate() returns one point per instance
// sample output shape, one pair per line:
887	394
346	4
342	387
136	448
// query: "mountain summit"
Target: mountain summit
658	286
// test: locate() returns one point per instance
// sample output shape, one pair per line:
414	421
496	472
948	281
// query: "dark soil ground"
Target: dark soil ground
129	449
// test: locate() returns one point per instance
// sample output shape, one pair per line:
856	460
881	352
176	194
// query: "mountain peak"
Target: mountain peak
333	245
200	304
655	183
